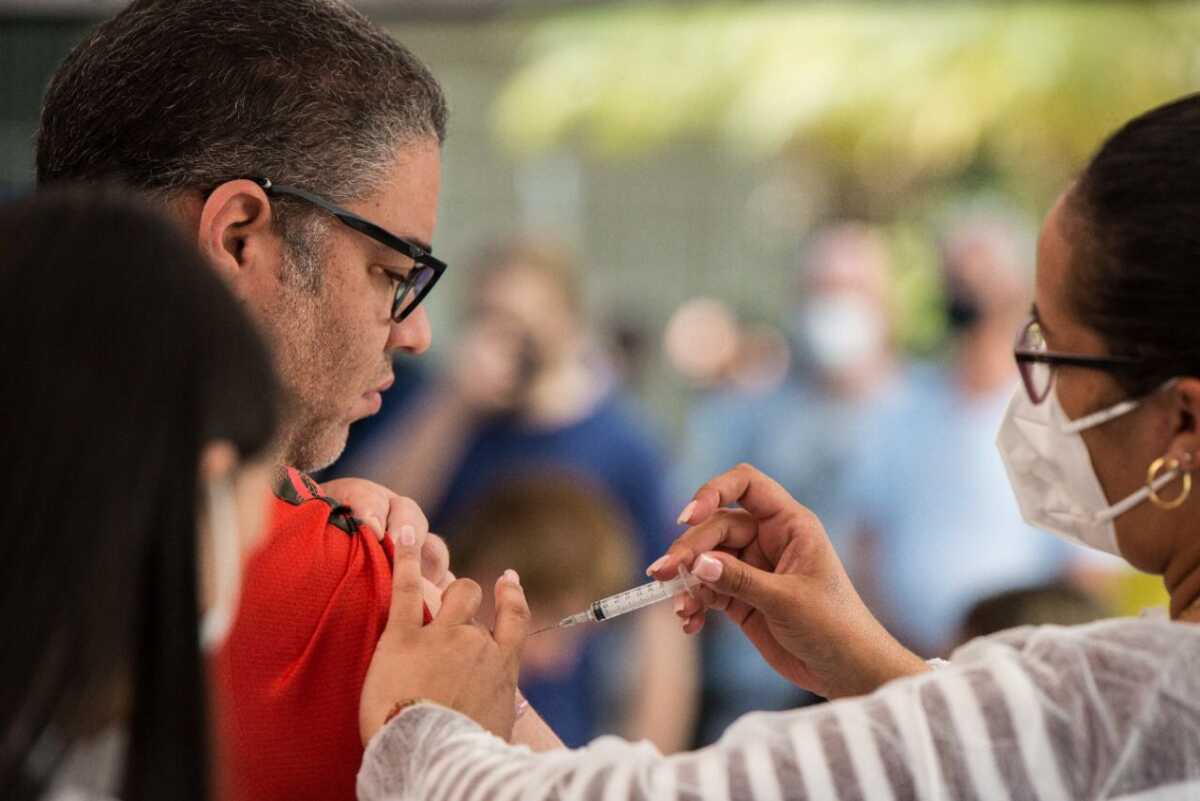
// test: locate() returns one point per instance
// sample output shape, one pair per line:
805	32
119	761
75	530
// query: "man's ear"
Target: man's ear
235	232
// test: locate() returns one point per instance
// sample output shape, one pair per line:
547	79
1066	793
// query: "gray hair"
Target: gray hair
174	95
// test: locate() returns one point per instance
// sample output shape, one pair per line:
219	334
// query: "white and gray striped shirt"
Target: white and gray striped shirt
1109	710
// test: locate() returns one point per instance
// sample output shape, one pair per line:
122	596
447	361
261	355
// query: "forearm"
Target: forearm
894	744
532	731
664	705
431	753
418	455
871	657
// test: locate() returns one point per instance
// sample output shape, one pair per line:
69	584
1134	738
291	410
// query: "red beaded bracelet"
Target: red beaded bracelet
400	706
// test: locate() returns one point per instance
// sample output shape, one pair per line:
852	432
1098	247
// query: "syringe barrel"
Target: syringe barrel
628	601
639	597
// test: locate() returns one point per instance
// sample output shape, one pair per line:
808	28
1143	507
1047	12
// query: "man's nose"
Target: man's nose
413	335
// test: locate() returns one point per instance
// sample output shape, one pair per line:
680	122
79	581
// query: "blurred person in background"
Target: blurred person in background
140	409
805	432
937	522
731	368
524	392
847	372
701	342
1057	602
302	152
630	347
570	544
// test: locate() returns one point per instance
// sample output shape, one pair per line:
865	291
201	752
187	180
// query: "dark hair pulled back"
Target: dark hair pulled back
1134	224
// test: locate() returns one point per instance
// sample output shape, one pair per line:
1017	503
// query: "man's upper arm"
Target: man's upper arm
314	602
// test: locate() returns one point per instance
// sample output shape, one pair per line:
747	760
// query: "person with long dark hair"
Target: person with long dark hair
139	409
1101	446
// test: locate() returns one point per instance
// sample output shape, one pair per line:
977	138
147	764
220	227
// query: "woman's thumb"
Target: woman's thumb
407	608
730	576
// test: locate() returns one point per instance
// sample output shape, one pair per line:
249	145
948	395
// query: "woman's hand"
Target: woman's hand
377	507
771	567
453	661
383	511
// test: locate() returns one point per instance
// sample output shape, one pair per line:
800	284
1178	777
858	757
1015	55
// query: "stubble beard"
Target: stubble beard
313	435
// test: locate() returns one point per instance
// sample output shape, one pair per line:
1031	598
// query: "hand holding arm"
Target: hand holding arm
453	661
385	513
771	567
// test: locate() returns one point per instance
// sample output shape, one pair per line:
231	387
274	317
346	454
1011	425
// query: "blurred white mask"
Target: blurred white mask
1051	471
841	331
217	620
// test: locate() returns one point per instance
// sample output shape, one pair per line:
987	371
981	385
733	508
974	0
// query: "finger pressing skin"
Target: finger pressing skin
372	522
512	615
407	606
403	511
460	603
435	561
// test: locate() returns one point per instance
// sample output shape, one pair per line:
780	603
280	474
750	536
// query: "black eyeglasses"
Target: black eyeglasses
421	270
1036	364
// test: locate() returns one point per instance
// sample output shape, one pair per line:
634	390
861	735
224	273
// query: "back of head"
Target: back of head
564	536
1132	220
126	355
553	265
182	95
1056	602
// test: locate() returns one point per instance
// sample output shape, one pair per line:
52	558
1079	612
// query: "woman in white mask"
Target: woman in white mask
1100	444
139	406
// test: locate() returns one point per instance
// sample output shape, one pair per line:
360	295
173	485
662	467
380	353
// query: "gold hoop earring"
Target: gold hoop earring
1171	464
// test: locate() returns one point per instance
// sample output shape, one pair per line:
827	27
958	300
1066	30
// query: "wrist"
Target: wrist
371	729
878	660
400	706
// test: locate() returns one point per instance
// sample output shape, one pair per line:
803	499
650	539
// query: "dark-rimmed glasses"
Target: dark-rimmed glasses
420	271
1037	364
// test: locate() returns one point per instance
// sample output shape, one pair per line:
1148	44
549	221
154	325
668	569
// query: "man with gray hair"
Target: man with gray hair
301	146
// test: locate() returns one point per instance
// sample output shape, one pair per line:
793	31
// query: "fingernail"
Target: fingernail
511	576
679	603
656	564
707	568
408	535
686	514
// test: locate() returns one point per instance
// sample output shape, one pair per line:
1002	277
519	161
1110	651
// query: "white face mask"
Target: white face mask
218	619
1051	471
841	331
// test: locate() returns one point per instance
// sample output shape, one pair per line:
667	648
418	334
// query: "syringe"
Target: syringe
630	600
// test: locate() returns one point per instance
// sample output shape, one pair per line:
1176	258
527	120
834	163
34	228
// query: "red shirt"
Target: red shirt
314	602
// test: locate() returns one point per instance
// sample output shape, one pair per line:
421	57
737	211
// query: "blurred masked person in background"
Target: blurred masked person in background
300	146
523	393
570	544
805	433
937	521
1101	442
139	412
